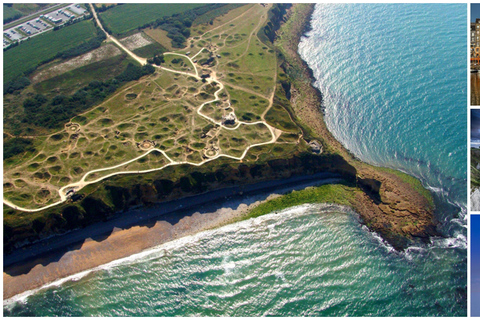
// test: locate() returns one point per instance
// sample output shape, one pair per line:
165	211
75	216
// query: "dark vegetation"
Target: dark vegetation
103	7
16	85
157	59
12	147
178	25
53	113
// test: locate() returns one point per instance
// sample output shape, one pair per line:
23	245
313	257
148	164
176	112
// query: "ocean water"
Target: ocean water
307	260
394	84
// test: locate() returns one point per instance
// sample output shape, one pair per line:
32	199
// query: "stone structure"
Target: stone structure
316	146
229	119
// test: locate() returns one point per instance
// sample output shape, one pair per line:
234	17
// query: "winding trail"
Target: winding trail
275	133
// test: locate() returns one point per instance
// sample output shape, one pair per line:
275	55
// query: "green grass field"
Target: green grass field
126	17
21	9
161	111
332	193
40	48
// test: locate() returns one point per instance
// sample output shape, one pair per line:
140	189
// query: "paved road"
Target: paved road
34	15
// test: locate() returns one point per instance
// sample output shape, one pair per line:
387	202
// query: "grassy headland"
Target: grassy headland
331	193
392	203
255	56
258	62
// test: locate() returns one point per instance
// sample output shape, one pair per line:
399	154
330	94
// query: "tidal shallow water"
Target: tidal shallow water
313	260
395	94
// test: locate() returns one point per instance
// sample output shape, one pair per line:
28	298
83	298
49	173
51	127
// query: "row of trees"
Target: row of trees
157	59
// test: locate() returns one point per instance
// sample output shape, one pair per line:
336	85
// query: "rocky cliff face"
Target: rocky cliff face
117	197
392	204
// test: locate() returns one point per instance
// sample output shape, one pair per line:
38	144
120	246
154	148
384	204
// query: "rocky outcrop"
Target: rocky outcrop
396	207
392	204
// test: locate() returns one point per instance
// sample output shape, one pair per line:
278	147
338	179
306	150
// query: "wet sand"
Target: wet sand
62	257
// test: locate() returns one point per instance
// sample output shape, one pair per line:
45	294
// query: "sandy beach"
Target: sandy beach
137	230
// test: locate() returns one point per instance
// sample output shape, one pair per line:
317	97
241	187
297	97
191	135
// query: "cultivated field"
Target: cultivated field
123	18
43	47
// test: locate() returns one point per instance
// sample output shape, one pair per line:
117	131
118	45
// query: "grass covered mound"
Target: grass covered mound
331	193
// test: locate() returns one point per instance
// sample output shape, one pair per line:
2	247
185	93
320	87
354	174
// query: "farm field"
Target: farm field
216	100
124	18
18	10
19	59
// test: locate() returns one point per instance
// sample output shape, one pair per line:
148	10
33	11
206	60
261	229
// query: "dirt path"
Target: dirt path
142	61
229	22
275	133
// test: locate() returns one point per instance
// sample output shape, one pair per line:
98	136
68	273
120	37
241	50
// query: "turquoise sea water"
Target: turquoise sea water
394	85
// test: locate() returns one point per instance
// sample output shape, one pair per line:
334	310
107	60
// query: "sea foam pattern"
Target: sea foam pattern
311	260
395	92
394	85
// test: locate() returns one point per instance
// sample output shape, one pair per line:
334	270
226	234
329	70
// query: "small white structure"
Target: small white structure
229	119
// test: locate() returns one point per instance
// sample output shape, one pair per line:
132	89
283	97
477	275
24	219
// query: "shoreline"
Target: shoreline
178	242
149	228
383	191
393	204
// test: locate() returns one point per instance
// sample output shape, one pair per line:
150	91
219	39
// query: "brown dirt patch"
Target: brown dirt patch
96	55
